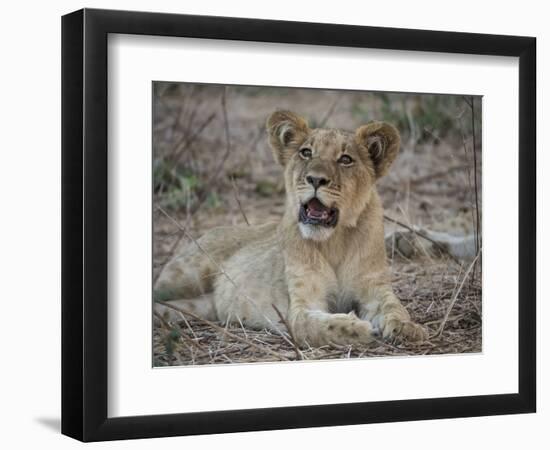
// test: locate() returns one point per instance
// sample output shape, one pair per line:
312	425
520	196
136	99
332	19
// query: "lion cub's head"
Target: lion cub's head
329	173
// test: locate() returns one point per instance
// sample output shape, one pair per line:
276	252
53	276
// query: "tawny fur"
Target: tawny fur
331	284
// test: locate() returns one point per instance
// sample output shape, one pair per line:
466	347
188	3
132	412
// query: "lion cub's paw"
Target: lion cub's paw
408	331
346	329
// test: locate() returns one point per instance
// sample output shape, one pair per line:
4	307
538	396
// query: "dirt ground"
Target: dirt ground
212	166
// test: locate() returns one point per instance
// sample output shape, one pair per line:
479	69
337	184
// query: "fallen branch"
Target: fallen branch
424	236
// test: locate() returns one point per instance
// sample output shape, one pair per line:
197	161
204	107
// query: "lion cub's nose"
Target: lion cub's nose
317	182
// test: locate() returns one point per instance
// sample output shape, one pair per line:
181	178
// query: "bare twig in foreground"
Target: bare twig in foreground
299	354
476	189
453	301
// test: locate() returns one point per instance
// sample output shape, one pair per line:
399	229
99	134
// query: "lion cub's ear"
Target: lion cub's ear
286	131
382	142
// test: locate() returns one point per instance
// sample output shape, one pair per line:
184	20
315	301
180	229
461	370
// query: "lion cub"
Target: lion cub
323	266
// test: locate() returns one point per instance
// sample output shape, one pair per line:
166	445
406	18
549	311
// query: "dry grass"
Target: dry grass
213	167
426	293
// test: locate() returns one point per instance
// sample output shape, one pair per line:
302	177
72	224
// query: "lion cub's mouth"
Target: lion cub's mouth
314	212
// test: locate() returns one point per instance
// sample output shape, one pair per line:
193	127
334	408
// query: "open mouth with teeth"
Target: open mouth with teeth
314	212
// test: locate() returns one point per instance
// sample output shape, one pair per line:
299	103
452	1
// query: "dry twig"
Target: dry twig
184	143
226	332
295	345
329	112
236	193
450	307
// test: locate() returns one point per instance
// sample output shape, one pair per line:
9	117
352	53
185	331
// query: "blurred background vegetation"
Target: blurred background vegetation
204	136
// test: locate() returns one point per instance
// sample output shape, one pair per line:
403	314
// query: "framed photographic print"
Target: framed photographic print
274	224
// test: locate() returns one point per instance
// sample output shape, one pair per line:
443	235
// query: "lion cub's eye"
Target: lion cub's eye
305	153
345	160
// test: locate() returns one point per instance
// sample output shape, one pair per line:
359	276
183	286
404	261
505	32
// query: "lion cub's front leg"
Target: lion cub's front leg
308	314
382	307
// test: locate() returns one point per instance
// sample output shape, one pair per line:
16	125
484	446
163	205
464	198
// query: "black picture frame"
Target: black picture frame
84	224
